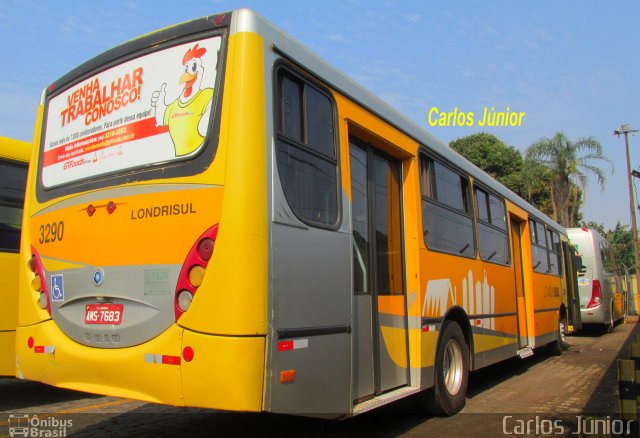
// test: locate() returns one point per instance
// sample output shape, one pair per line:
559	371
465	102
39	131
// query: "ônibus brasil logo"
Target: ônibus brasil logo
33	426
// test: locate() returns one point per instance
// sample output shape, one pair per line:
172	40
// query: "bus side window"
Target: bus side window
447	217
539	254
306	150
13	179
493	238
555	253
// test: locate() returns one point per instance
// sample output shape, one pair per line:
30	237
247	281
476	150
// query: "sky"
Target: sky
570	66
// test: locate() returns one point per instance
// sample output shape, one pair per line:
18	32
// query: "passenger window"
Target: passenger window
555	254
446	217
306	150
539	253
493	239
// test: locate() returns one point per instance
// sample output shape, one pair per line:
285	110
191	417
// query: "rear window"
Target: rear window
155	108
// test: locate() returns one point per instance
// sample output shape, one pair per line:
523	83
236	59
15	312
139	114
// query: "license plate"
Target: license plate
107	313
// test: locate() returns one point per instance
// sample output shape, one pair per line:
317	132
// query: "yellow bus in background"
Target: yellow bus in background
14	159
217	217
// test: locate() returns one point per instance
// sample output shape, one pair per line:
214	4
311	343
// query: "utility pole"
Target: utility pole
625	130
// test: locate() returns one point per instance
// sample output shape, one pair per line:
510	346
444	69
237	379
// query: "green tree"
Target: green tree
621	238
489	153
569	162
505	163
536	182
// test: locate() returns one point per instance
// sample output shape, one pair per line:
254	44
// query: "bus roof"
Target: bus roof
246	20
14	149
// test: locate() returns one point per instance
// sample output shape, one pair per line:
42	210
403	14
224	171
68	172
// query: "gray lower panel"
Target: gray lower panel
494	355
319	362
311	288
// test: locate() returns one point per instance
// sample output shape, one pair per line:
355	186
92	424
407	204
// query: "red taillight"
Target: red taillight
192	272
205	249
596	295
39	283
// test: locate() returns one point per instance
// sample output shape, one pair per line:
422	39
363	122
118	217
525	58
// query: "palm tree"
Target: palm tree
569	162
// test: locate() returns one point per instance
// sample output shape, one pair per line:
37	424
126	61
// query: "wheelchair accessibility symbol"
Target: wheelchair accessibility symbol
57	288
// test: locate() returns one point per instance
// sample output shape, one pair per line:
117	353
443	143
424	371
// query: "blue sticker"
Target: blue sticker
57	288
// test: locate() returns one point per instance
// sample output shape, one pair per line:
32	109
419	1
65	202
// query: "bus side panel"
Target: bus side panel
311	290
8	311
484	291
547	299
494	338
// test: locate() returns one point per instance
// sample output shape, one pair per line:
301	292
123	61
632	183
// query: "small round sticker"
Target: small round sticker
98	277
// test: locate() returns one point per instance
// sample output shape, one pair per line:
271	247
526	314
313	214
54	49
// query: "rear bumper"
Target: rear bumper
594	315
225	373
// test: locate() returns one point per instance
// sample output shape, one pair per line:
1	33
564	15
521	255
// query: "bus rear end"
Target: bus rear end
143	257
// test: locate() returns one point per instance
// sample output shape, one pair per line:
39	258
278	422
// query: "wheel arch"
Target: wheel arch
457	314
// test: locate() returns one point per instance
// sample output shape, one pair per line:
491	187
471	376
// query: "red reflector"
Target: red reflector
39	349
425	328
111	207
188	354
287	376
30	342
171	360
285	345
90	210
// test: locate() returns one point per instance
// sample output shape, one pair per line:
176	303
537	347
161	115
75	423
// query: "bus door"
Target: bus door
379	316
521	305
572	264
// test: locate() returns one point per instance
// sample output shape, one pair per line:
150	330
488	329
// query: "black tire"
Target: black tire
608	328
556	348
451	373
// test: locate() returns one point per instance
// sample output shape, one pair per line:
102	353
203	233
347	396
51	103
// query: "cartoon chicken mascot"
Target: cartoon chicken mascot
187	116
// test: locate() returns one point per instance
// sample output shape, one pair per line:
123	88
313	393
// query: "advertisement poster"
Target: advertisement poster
152	109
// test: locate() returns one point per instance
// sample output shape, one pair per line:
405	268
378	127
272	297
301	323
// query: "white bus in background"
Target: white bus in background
600	281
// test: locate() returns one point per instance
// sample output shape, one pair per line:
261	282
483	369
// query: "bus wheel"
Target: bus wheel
609	327
556	347
451	373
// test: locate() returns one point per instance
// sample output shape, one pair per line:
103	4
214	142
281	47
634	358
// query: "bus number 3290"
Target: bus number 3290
53	232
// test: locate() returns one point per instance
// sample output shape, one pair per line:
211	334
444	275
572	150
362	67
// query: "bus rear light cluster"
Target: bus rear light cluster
596	295
38	283
193	270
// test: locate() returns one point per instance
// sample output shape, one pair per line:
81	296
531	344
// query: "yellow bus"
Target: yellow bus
14	159
219	218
